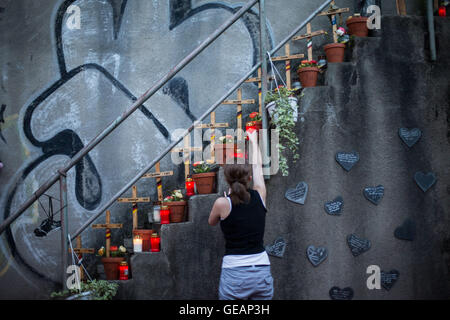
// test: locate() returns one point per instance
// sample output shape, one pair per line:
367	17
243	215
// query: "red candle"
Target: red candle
164	213
442	11
190	187
155	242
123	271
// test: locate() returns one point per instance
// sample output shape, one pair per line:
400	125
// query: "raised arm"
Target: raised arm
256	161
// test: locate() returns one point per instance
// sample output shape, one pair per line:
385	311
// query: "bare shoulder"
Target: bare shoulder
221	203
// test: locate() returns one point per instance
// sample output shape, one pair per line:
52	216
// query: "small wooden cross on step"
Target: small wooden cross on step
212	126
239	102
158	175
134	201
333	12
288	58
186	150
309	35
108	226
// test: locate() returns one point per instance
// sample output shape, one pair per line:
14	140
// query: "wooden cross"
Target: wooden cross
333	12
309	35
157	175
212	126
186	150
401	7
239	102
259	81
134	200
108	226
287	58
79	250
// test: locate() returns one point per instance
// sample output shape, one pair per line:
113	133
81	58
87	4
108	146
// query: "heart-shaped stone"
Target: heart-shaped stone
388	279
374	194
277	248
410	136
358	245
337	293
316	255
335	206
347	159
297	195
406	231
425	181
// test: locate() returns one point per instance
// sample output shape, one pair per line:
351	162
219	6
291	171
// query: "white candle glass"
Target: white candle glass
137	245
156	214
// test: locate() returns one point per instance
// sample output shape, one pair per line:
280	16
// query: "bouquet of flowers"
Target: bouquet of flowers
201	167
255	116
226	139
306	63
175	195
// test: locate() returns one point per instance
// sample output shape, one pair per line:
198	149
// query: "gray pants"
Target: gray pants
246	283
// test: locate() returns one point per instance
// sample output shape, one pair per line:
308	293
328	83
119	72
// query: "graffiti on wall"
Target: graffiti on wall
67	142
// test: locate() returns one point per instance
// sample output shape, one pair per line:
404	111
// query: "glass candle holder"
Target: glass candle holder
156	214
155	242
137	244
123	271
164	213
190	185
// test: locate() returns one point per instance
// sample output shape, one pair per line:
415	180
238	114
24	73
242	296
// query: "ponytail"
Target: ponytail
237	176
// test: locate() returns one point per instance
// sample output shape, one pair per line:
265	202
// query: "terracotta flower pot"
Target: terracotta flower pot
224	151
204	182
357	26
334	52
111	266
177	211
145	235
308	76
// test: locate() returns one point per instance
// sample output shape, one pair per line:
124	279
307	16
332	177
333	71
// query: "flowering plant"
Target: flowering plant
226	139
306	63
114	251
255	116
201	167
282	91
175	195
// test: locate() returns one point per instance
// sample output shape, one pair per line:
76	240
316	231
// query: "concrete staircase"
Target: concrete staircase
387	83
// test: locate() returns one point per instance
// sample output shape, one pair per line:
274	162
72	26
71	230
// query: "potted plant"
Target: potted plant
226	148
284	121
308	72
357	25
111	263
177	206
255	123
335	51
203	177
276	97
90	290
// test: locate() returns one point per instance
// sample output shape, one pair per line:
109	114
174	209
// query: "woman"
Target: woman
241	213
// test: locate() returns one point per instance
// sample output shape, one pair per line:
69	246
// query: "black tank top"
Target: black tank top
243	229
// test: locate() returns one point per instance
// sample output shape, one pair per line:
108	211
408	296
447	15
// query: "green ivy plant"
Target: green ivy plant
99	290
283	119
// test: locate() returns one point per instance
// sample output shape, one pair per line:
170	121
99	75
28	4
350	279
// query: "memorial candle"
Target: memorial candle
164	213
190	184
137	244
156	214
123	271
155	242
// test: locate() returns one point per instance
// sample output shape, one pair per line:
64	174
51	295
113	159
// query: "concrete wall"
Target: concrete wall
61	87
